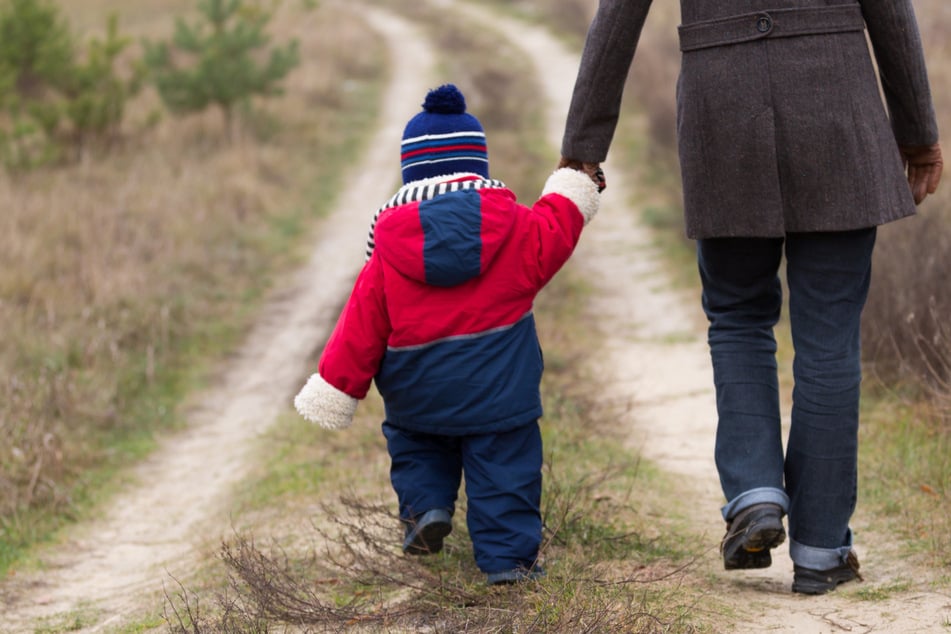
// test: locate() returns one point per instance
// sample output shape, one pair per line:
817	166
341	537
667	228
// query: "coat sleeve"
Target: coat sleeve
351	357
356	346
896	41
569	201
605	62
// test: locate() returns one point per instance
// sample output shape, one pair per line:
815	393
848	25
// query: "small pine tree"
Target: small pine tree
95	93
214	62
8	78
36	51
36	43
48	101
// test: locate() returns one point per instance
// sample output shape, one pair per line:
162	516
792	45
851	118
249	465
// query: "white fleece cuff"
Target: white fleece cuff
321	403
577	187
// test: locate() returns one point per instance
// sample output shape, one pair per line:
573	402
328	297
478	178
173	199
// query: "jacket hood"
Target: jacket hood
449	238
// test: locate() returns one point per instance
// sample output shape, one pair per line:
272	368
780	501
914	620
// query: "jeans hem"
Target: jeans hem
759	495
816	558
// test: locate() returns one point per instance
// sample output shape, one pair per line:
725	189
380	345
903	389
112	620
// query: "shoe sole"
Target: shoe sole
754	553
751	550
428	539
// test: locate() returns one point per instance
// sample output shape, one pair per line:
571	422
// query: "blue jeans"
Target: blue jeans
503	474
828	276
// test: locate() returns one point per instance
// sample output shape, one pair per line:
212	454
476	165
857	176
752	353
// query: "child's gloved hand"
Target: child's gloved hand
321	403
593	170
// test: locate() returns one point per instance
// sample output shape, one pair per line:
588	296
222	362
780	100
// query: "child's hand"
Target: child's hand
321	403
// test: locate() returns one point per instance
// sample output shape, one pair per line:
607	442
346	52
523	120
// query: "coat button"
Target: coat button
764	23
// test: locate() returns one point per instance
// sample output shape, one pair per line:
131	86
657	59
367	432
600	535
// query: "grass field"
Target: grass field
124	276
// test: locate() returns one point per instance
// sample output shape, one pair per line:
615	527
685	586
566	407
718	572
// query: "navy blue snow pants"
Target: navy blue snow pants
503	487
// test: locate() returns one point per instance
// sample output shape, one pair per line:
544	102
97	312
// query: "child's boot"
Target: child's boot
425	535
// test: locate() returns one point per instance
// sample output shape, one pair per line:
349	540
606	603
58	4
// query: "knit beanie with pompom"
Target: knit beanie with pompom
443	139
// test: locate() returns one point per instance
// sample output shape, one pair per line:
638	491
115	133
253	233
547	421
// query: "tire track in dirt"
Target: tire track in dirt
657	367
177	507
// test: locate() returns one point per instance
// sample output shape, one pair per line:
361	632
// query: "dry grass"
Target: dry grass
331	559
907	344
906	333
118	274
355	579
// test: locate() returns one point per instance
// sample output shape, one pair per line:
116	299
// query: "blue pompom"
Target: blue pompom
445	100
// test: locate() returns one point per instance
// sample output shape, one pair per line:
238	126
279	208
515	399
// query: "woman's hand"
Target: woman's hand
924	165
593	170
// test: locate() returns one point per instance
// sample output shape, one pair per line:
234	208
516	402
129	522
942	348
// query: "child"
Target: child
441	318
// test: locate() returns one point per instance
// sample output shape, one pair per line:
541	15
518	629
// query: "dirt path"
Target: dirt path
107	570
657	360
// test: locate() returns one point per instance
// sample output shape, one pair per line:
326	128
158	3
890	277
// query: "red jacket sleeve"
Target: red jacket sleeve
569	200
356	346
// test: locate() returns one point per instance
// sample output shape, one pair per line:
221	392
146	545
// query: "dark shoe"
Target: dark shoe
809	581
750	535
519	575
425	536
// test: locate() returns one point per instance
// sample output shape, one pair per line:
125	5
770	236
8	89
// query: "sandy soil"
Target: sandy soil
655	355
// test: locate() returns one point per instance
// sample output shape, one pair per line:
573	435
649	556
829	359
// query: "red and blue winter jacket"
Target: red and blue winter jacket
440	317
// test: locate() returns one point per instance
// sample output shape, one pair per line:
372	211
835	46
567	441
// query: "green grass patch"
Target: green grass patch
882	592
905	473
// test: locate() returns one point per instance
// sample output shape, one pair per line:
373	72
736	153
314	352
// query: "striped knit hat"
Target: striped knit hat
443	139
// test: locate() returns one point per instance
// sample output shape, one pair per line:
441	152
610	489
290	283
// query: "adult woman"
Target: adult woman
785	148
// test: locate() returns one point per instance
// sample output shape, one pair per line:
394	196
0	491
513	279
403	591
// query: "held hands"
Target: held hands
593	170
924	165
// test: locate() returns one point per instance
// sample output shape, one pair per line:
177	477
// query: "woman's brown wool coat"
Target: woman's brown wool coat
781	126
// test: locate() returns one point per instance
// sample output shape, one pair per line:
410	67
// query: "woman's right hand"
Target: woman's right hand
593	170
